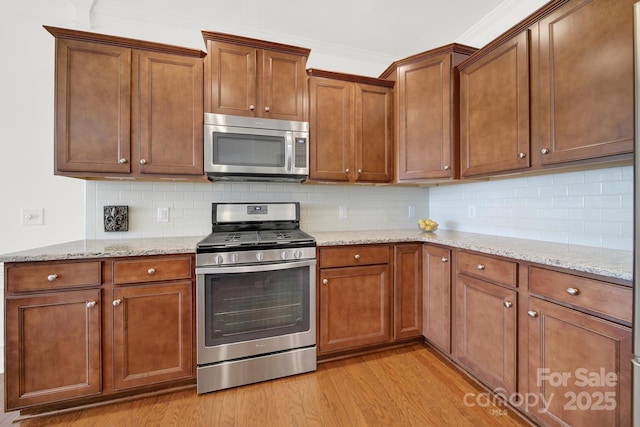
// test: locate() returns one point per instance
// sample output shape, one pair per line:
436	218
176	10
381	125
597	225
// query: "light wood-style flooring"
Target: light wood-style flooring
408	386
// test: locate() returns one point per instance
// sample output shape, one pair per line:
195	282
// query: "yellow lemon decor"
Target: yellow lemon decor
427	225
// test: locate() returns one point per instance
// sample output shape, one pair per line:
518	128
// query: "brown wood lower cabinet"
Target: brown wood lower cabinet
152	338
436	296
486	334
53	350
407	285
579	367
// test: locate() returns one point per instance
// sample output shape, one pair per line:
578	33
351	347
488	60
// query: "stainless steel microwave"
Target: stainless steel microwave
238	148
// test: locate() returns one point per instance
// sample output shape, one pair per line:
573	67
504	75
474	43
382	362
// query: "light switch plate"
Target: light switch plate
32	216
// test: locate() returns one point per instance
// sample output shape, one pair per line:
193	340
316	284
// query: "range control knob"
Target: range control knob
234	258
284	255
297	254
217	259
259	256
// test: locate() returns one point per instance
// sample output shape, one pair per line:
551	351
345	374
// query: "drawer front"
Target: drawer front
152	269
595	295
52	276
492	269
344	256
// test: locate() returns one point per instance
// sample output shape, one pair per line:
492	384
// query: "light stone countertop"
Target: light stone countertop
605	262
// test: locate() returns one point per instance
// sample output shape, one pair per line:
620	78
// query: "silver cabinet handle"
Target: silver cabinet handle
447	167
267	109
116	302
545	151
91	304
445	259
522	155
52	277
122	161
356	256
508	304
252	107
143	162
573	291
151	271
480	267
532	313
325	281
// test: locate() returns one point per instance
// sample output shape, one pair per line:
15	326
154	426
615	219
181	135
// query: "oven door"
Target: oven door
244	311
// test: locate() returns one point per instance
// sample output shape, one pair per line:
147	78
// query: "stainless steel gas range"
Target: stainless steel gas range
255	296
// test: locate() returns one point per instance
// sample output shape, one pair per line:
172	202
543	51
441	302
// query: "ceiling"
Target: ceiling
382	29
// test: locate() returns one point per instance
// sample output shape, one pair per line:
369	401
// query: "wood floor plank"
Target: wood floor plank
408	386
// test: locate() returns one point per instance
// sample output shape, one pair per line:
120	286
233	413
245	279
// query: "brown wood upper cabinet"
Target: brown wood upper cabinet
351	128
255	78
426	113
126	107
583	61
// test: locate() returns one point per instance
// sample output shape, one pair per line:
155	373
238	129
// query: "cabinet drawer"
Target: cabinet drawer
344	256
54	275
151	269
595	295
496	270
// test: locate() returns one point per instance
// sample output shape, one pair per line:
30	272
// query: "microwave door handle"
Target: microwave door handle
288	152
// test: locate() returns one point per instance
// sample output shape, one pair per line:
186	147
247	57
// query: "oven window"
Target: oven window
248	306
248	150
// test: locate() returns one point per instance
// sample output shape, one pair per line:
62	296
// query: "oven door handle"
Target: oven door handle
255	267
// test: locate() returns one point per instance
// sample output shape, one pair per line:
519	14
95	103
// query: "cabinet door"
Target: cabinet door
168	115
231	78
424	119
354	307
407	290
486	331
585	68
578	367
494	110
436	296
92	111
52	348
151	334
284	86
373	133
331	129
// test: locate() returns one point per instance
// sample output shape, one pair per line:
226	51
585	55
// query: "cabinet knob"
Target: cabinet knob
532	313
252	107
447	167
573	291
445	259
116	302
143	161
325	281
151	271
122	161
356	256
480	267
545	151
52	277
267	109
522	155
359	170
91	304
347	170
508	304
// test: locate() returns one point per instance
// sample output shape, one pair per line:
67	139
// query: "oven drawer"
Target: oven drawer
484	267
594	295
45	276
345	256
151	269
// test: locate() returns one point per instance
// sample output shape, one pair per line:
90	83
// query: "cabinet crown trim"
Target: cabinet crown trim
256	43
450	48
312	72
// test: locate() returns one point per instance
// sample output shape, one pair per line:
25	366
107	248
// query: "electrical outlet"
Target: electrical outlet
32	216
471	211
412	211
342	212
163	214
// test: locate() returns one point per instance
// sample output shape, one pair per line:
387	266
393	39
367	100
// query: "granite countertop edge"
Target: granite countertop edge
612	263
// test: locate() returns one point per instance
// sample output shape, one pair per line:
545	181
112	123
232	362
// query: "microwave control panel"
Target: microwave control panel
300	153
